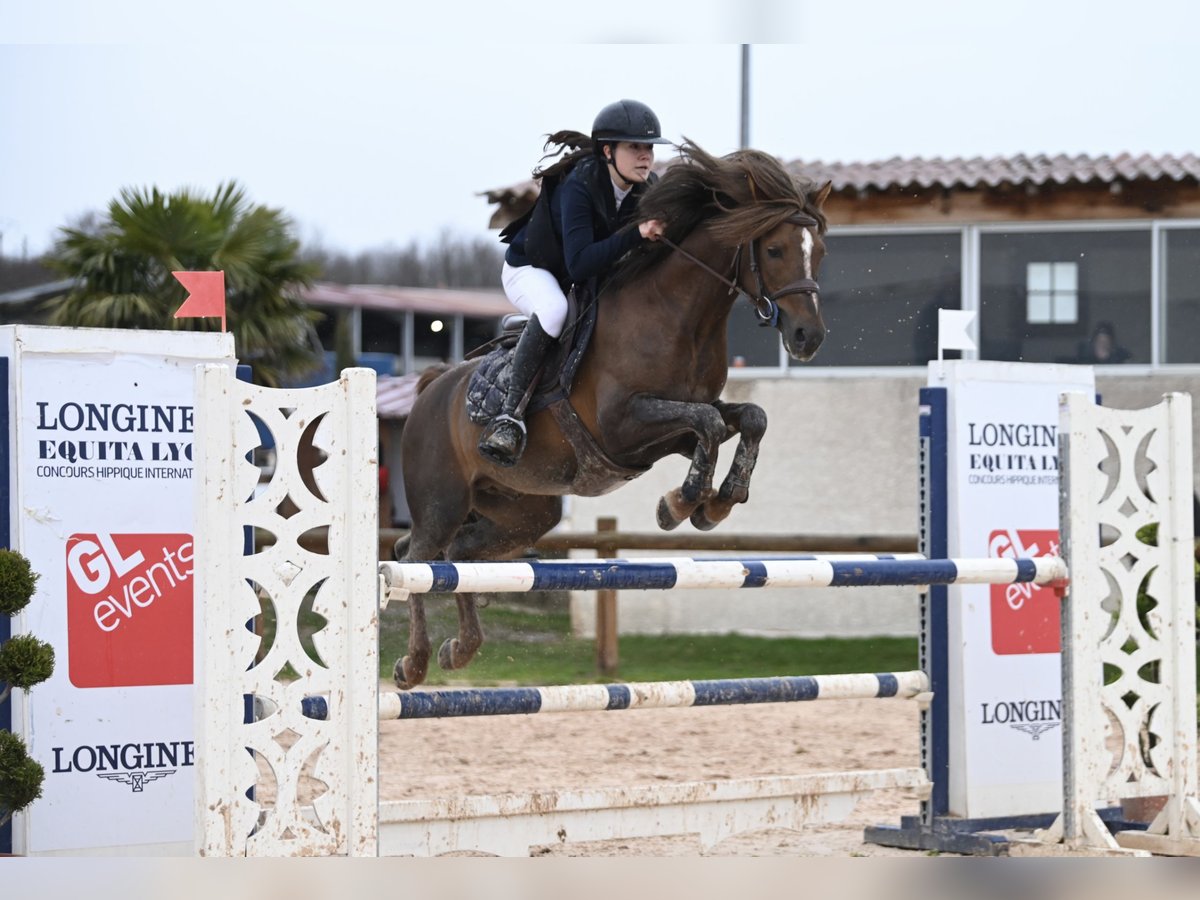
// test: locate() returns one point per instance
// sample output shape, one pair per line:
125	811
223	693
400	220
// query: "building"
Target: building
1046	249
401	330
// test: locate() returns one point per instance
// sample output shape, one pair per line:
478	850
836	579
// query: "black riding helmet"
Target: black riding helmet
625	120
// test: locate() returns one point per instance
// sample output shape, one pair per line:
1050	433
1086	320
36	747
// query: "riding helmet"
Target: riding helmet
627	120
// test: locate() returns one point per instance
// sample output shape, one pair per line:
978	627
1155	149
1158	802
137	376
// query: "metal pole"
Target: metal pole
745	132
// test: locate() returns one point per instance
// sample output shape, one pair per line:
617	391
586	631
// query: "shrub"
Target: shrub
24	662
17	582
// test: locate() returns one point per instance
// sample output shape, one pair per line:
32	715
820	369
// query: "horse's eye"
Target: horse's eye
774	252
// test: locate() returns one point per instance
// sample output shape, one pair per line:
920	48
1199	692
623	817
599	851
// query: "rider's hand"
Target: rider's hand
651	229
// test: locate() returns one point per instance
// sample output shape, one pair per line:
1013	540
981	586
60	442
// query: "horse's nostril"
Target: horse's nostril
798	338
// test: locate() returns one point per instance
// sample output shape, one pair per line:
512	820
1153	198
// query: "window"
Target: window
1052	294
749	343
1182	288
1096	291
382	332
880	295
477	332
431	339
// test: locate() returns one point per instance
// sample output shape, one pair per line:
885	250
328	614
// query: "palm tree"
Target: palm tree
122	265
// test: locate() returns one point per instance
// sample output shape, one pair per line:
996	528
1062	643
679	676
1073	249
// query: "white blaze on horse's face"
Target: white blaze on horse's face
800	323
807	249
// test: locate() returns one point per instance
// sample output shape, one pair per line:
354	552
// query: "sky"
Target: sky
377	123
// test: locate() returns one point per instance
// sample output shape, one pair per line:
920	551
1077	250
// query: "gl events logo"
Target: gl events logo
129	609
1025	617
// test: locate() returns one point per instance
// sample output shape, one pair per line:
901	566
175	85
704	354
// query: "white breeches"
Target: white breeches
533	290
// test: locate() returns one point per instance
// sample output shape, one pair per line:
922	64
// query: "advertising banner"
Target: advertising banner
1005	703
100	436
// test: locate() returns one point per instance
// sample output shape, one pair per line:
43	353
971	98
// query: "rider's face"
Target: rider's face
633	161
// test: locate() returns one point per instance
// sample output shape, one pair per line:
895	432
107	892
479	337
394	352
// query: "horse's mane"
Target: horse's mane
738	197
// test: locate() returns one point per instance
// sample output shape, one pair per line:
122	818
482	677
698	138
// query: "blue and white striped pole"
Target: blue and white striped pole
665	574
438	704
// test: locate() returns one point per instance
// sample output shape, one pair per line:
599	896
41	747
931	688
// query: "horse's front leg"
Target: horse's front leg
653	420
750	422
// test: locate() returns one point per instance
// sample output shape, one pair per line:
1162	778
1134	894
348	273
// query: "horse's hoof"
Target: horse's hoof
666	518
405	680
701	521
446	654
398	676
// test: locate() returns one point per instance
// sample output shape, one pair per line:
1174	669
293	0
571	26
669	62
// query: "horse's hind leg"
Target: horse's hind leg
411	669
427	540
457	652
509	526
750	422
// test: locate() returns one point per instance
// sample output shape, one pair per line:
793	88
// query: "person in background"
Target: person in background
1103	349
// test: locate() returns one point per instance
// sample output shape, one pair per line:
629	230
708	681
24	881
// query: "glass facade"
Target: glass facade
1105	294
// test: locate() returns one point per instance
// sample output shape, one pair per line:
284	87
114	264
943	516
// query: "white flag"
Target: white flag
954	330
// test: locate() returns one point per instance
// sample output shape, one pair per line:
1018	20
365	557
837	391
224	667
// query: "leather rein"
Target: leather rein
766	305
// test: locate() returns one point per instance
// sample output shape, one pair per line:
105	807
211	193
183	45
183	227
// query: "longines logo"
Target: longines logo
133	764
1034	717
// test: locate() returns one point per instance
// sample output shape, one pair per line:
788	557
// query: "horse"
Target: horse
648	387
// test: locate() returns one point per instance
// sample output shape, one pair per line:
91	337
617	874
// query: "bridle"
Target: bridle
766	305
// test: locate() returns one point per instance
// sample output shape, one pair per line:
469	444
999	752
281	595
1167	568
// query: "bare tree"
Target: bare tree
452	262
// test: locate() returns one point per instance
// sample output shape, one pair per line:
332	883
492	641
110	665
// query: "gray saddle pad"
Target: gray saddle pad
489	385
489	382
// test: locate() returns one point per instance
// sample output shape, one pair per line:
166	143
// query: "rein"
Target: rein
766	306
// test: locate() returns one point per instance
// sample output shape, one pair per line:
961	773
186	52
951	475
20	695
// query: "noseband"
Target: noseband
766	305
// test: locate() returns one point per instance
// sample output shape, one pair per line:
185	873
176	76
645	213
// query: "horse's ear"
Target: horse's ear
823	195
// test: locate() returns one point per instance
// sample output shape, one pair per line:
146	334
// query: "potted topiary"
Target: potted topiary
24	662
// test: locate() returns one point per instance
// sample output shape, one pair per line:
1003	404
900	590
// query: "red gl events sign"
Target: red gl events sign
129	609
1025	617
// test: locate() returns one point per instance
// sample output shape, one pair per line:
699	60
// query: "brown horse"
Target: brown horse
648	387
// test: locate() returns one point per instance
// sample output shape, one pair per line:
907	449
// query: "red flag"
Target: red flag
206	295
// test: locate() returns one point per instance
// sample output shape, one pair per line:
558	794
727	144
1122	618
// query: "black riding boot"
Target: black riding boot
503	441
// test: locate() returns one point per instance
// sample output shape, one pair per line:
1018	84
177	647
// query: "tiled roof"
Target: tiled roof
998	170
394	395
917	172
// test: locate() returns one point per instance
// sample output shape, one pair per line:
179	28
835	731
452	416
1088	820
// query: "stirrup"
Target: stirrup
494	454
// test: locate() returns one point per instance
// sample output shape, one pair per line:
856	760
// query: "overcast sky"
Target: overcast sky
378	122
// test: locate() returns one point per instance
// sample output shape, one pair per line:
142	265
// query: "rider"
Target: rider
590	211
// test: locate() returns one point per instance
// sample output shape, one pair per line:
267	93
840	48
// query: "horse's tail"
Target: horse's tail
429	374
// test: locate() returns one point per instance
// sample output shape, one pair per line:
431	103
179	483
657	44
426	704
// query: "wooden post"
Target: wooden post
606	606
